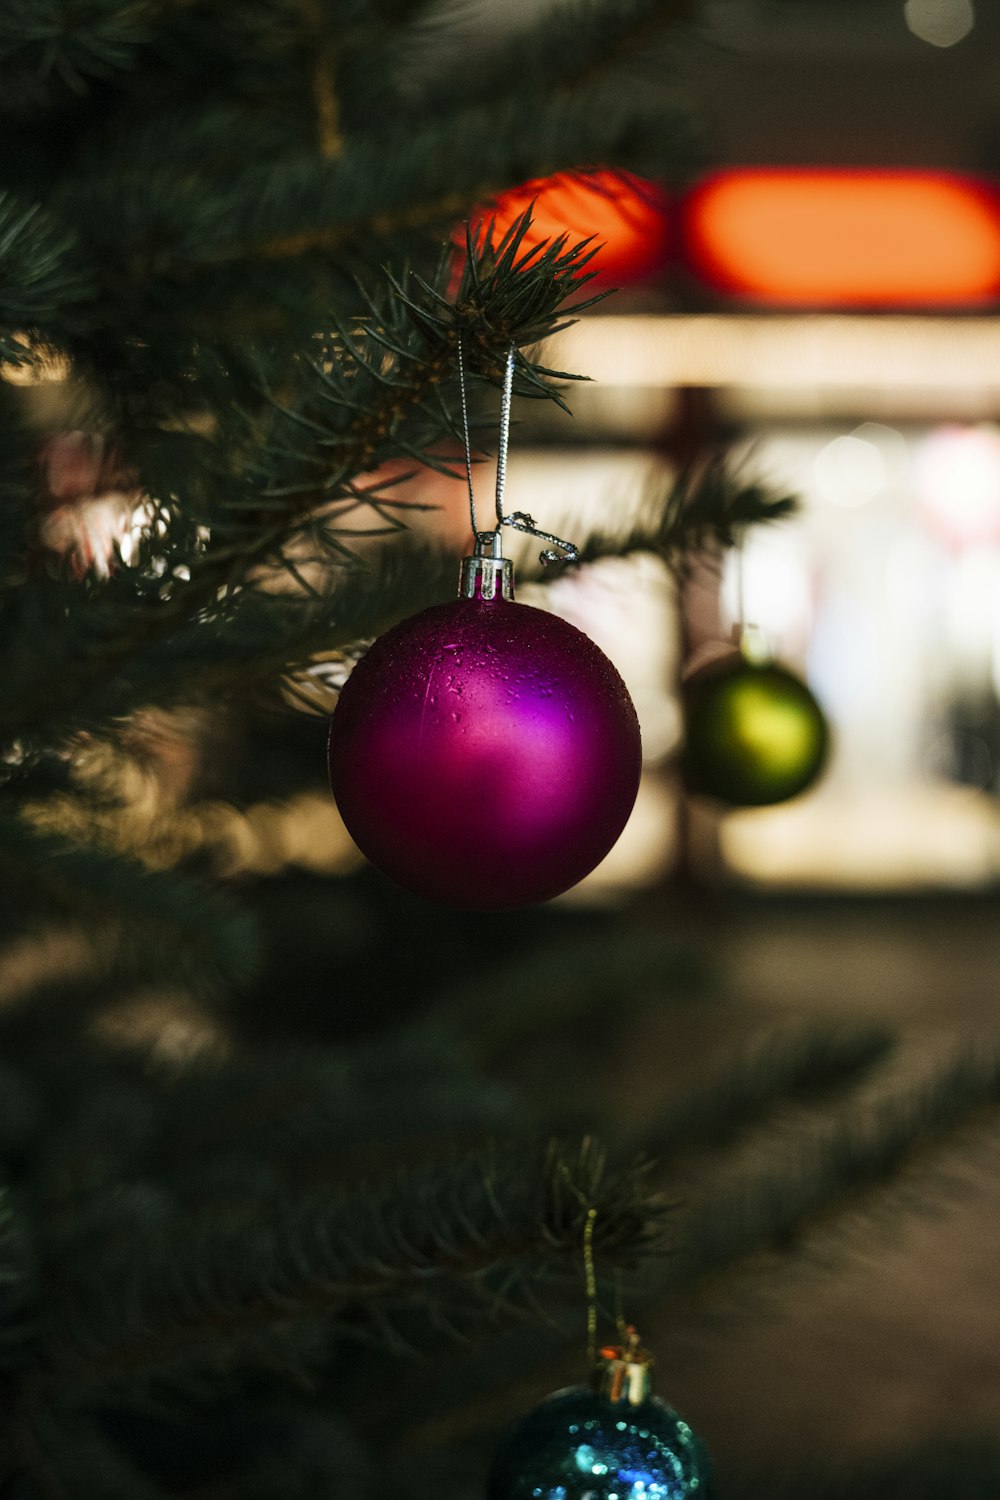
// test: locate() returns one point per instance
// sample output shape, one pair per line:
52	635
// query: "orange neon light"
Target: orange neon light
846	238
626	216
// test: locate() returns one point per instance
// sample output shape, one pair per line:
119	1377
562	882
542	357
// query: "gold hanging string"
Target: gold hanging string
590	1283
328	125
331	138
620	1324
589	1271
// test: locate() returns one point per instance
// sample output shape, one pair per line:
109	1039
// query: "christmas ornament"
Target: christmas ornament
616	1441
484	753
754	733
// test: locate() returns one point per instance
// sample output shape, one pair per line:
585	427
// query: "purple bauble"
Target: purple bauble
485	754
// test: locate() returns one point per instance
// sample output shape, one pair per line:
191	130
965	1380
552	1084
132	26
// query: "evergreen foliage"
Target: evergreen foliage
291	1239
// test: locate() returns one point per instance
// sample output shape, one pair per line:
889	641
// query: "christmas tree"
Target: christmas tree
296	1182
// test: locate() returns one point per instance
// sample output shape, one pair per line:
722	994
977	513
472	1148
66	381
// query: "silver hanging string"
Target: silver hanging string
465	433
519	520
504	444
747	634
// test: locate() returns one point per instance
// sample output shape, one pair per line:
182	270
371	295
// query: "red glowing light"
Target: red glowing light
846	238
625	215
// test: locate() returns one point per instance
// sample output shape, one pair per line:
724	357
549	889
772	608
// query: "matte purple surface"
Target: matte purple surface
485	754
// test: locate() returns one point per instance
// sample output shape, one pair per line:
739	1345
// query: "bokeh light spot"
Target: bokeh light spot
624	214
849	471
846	238
942	23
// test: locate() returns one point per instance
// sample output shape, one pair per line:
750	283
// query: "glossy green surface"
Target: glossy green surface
755	735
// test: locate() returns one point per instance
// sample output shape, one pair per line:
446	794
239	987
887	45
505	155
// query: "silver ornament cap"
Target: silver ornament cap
487	572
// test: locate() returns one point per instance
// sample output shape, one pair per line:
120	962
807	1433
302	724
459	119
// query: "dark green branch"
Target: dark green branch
835	1174
464	1235
181	927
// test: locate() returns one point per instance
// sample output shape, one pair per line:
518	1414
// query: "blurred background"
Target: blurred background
823	304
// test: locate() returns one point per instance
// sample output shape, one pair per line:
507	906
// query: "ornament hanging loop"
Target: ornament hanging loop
519	520
748	637
488	543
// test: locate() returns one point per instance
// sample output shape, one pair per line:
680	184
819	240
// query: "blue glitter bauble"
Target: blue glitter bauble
578	1445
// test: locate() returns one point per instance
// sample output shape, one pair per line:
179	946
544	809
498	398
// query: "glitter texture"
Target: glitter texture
580	1446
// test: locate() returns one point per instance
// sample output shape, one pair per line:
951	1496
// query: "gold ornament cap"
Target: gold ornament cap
623	1374
753	645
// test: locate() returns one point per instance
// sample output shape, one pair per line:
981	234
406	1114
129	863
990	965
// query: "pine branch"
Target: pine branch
254	494
464	1235
145	656
707	508
218	659
43	281
586	981
836	1173
142	921
302	1112
580	42
804	1066
847	1168
49	51
265	635
409	176
17	1288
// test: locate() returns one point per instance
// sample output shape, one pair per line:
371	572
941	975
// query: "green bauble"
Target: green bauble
755	734
616	1442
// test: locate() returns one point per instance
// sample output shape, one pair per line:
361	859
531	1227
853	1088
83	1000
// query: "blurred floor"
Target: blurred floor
897	1340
